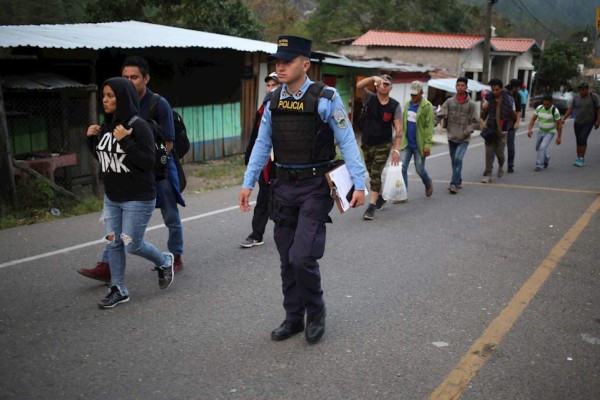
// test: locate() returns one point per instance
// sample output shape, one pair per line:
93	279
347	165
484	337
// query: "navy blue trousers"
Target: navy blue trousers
300	241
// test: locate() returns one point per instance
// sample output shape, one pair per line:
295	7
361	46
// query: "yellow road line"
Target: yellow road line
504	185
466	369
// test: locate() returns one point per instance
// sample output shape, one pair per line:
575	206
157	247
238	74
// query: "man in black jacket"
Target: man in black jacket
261	209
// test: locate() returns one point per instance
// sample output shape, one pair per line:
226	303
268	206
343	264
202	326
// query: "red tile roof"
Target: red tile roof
417	39
439	41
512	45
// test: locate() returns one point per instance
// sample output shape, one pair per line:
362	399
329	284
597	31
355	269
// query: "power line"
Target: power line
535	18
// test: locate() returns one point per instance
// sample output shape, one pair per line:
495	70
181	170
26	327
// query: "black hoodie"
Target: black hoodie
128	164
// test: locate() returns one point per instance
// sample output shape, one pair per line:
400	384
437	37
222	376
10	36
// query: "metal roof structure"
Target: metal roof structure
46	81
123	35
373	64
449	85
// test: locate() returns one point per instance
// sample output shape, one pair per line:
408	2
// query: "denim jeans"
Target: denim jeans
510	147
457	153
541	146
406	155
170	214
125	224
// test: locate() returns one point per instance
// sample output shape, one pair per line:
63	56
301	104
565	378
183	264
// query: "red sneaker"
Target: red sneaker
101	272
178	264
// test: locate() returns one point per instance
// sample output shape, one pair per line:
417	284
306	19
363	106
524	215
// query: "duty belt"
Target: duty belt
298	174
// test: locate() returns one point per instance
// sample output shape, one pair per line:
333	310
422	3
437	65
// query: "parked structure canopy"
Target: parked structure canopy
123	35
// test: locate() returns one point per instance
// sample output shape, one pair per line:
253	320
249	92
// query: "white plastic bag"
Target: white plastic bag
393	186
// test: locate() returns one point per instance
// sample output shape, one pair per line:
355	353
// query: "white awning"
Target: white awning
448	84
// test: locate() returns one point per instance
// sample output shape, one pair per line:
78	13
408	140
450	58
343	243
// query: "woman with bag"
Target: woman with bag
124	146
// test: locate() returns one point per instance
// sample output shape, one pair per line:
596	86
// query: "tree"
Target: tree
333	19
557	65
20	12
277	17
228	17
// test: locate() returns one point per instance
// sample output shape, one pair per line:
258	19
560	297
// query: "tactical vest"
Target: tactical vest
299	134
377	128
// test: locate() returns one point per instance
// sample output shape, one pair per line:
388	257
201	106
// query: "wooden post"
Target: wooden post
93	117
8	189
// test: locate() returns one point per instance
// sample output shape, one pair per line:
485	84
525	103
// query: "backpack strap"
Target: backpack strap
153	109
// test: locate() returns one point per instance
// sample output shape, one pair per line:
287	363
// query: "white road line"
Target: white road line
208	214
474	145
100	241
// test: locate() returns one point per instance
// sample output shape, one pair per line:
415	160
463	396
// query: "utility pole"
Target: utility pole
8	190
487	42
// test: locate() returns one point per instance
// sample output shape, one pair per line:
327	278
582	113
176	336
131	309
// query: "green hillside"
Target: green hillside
559	17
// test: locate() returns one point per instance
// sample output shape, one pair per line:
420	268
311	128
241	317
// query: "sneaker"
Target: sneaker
166	272
380	202
113	298
251	242
101	272
178	264
459	186
369	214
486	179
453	189
429	189
546	162
579	162
538	168
582	161
511	170
400	201
500	171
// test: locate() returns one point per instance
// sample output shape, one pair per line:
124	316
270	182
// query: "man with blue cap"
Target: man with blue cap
302	123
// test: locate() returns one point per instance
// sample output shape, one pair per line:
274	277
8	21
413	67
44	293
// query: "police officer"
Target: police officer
300	123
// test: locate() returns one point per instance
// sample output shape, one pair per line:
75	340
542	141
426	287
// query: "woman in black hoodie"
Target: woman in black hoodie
124	146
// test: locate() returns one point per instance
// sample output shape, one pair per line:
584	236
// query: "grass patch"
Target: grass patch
36	199
216	174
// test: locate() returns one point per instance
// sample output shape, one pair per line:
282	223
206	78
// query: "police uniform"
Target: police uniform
301	128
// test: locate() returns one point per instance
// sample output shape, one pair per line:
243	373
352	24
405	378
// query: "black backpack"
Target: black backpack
182	142
160	155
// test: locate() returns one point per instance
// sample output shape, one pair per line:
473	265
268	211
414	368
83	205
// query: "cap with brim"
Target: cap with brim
290	47
272	76
416	87
583	85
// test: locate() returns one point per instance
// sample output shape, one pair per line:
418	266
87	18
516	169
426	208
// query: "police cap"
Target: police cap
290	47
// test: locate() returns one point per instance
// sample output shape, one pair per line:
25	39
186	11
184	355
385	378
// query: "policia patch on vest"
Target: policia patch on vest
340	119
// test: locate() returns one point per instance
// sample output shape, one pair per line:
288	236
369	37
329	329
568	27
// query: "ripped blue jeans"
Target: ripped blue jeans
126	224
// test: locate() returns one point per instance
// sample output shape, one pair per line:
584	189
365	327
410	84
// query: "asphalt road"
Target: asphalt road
493	293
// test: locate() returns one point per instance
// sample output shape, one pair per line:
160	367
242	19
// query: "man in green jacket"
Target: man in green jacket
418	138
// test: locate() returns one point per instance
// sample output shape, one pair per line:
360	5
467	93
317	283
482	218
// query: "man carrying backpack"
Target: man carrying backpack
168	193
549	124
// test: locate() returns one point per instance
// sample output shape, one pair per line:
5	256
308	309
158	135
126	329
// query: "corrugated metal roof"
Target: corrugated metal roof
374	64
449	85
46	81
122	35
